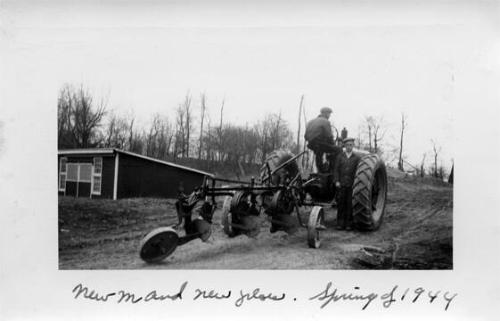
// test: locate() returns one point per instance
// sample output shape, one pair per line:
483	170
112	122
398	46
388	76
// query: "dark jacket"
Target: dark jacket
345	169
319	127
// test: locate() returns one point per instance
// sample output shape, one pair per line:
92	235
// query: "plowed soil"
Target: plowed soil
416	234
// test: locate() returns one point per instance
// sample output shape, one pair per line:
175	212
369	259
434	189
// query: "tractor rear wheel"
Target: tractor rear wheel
274	160
369	193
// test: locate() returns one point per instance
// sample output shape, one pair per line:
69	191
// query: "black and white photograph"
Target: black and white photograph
272	143
298	146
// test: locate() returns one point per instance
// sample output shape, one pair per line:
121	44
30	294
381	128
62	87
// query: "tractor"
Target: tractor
279	192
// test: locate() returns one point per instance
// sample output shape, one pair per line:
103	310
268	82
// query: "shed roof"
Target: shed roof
111	151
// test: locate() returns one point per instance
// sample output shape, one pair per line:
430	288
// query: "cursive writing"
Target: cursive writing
330	294
256	295
204	294
123	296
334	295
83	291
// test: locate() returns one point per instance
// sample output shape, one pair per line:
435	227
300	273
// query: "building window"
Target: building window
96	189
62	164
98	165
85	173
97	176
80	173
72	172
62	174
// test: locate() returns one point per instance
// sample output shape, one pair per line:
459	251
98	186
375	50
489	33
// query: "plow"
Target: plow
281	194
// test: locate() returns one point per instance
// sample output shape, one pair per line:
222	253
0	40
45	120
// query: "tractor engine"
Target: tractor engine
321	187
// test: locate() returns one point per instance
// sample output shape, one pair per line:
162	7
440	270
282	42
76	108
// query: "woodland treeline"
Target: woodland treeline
191	134
84	122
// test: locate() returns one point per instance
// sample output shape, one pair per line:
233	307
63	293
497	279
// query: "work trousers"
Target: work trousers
319	147
344	207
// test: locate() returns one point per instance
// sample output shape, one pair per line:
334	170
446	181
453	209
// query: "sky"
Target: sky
260	57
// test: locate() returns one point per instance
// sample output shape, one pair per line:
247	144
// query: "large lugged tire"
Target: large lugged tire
369	193
275	159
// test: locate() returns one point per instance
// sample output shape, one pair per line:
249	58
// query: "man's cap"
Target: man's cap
348	139
326	110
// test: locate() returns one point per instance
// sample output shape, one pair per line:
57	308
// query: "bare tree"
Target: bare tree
441	172
219	130
202	119
403	126
159	137
376	132
273	133
180	138
422	166
436	150
183	126
110	130
188	124
151	136
135	138
208	141
308	158
299	123
165	138
116	132
79	117
131	134
64	114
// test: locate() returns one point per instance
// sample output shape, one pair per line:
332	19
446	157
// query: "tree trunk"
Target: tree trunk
201	125
400	162
298	131
370	138
220	130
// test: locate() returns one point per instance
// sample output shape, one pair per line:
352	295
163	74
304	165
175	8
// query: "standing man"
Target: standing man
320	138
344	173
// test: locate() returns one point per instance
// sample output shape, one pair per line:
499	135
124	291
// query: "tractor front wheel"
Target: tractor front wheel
314	226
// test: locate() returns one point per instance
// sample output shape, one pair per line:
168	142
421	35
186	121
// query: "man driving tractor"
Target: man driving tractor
320	138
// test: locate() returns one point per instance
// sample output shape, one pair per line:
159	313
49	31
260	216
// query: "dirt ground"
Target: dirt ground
416	234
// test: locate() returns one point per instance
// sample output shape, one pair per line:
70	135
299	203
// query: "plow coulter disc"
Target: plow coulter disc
158	244
250	226
315	224
283	222
203	228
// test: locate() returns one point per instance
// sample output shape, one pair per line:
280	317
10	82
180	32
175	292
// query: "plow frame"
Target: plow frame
293	188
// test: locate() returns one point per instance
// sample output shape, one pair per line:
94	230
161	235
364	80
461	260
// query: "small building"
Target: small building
114	173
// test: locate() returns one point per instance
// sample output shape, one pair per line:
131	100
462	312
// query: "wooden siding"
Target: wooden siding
143	178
